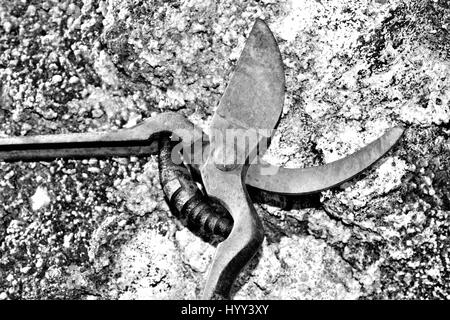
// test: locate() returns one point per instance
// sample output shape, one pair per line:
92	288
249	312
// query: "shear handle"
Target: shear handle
139	140
233	254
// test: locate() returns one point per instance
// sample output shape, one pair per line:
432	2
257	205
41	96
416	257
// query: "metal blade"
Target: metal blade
314	179
255	94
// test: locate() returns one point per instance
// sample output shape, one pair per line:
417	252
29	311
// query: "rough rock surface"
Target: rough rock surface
99	229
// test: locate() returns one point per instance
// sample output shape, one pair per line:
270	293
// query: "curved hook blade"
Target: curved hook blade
314	179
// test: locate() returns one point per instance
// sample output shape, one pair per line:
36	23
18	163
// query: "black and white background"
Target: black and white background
100	229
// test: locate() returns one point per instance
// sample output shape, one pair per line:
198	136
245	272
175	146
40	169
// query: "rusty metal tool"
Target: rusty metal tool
248	112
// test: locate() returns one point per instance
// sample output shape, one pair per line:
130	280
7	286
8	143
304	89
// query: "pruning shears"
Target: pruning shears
241	128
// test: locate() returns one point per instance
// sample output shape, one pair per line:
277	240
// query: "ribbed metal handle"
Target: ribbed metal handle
186	200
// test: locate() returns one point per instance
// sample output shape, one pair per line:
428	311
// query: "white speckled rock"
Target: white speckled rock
40	199
353	69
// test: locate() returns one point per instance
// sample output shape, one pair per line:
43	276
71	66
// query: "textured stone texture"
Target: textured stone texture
99	229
